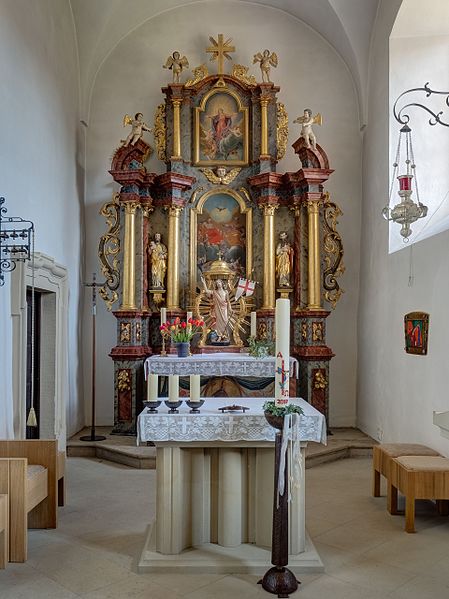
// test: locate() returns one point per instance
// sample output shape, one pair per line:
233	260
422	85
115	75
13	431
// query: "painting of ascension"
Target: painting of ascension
222	131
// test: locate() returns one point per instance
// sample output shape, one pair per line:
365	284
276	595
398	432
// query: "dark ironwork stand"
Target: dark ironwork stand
279	580
94	285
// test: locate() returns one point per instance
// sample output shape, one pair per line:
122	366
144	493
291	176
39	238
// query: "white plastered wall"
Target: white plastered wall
310	73
38	155
397	392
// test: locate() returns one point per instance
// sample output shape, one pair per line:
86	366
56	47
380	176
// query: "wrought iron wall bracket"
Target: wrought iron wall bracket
435	119
16	240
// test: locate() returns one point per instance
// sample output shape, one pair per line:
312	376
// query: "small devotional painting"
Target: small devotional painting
221	132
416	325
221	229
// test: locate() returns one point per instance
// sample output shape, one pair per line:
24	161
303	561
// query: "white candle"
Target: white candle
173	387
189	316
152	387
163	315
195	386
253	332
282	376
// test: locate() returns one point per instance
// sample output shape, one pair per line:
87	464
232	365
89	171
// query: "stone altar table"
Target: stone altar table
215	490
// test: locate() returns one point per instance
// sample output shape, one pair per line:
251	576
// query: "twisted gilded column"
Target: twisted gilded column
129	264
269	264
173	258
176	128
264	127
314	283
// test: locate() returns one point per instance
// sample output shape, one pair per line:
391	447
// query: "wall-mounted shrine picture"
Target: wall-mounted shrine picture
221	133
416	326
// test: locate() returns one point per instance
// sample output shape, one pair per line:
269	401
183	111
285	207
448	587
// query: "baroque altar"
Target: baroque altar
220	213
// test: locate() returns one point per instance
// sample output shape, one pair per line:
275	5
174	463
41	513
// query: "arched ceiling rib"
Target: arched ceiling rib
345	24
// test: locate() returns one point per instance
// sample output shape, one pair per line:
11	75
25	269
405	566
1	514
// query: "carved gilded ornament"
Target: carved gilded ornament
108	251
333	248
317	331
124	380
319	381
199	73
221	175
138	332
160	131
147	210
125	332
281	130
240	72
219	50
304	331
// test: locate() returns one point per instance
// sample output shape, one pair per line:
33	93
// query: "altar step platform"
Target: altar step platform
343	443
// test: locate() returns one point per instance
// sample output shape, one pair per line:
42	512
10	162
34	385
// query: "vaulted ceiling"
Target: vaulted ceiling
345	24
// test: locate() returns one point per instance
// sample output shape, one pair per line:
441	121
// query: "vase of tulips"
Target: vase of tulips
181	333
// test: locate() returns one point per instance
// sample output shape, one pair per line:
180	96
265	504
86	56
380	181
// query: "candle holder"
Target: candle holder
164	334
173	405
195	405
152	406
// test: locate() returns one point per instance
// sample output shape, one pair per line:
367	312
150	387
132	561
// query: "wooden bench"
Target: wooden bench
383	456
3	531
28	474
419	477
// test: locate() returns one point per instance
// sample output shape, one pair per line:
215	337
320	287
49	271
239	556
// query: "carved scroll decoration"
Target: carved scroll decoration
333	248
240	72
199	73
281	130
108	250
160	131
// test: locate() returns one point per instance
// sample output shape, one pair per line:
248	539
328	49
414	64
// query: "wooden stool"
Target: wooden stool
419	477
384	454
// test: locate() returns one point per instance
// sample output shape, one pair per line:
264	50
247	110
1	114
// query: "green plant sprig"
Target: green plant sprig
290	408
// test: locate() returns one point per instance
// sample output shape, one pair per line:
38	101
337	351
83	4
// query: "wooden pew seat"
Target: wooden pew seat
29	475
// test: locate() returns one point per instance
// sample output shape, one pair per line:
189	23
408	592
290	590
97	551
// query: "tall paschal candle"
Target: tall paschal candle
282	353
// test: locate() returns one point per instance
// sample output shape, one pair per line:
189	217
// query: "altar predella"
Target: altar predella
220	214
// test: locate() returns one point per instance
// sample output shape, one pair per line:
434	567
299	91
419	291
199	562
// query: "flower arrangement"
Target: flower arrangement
260	348
291	408
182	331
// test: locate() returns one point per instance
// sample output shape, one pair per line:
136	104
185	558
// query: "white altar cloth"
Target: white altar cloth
219	364
212	425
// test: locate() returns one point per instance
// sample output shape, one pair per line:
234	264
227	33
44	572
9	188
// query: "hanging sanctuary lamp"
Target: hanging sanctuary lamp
408	211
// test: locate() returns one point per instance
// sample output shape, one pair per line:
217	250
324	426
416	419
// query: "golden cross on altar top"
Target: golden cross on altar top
219	50
220	255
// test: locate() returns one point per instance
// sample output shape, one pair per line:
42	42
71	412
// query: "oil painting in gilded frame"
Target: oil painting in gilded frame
221	224
416	328
221	130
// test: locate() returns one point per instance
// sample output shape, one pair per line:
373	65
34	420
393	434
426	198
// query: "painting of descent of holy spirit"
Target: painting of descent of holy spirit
222	136
221	227
416	325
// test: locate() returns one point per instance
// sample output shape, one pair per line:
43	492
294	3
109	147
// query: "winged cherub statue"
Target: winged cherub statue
306	121
176	63
266	60
137	128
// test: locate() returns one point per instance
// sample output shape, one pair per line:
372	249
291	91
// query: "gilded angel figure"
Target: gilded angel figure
267	60
176	64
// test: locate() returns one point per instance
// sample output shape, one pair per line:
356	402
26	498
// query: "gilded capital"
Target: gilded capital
131	207
174	211
269	209
313	206
176	102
